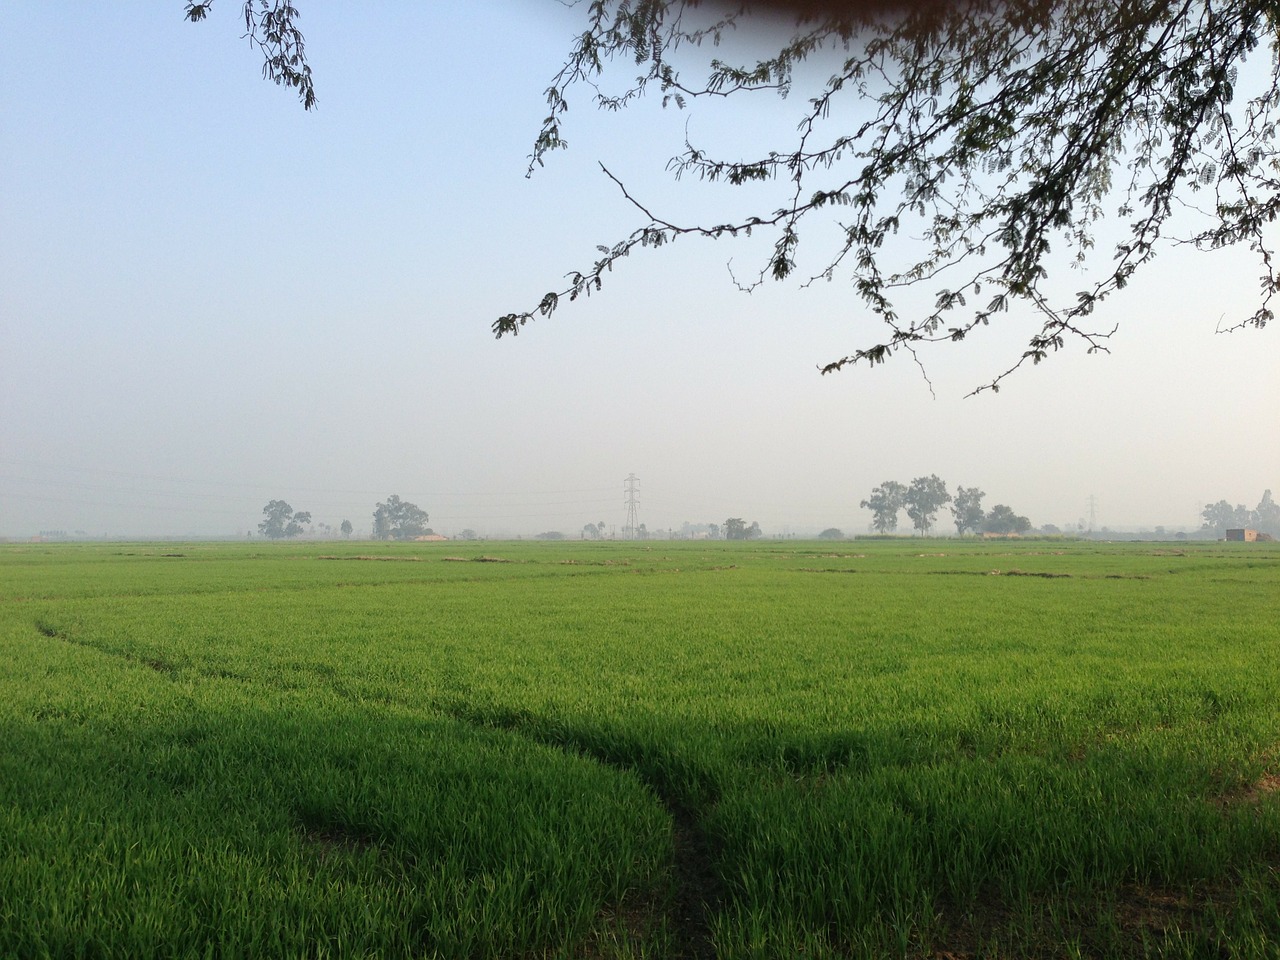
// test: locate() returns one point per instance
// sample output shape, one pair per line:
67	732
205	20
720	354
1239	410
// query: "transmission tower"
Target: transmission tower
1093	512
631	497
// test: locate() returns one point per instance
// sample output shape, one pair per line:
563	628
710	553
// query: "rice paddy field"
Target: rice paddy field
869	749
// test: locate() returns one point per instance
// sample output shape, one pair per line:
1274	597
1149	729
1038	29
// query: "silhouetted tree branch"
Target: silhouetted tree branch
991	133
270	26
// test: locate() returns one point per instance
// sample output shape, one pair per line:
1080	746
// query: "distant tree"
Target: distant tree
1002	519
642	532
713	531
549	535
1221	516
398	520
467	534
1266	516
280	520
924	498
1050	529
831	533
346	528
884	503
753	532
967	510
590	532
735	528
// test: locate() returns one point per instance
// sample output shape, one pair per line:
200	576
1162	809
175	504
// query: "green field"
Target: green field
923	749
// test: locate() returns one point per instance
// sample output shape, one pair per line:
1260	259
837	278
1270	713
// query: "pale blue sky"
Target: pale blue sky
209	299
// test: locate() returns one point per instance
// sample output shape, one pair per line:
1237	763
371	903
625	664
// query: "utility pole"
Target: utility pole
631	497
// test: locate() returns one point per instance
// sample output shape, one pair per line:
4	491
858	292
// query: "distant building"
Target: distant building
430	538
1246	535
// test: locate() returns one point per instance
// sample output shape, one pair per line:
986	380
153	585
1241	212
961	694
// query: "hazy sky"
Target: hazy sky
210	298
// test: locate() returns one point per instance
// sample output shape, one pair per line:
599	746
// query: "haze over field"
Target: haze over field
210	299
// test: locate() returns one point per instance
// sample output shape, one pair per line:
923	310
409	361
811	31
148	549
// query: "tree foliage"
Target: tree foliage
1222	516
966	508
398	520
279	520
923	499
735	528
1003	520
993	140
884	503
272	27
988	133
1267	514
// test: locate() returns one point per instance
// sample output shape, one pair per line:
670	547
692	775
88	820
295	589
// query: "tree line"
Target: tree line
394	519
924	497
1222	516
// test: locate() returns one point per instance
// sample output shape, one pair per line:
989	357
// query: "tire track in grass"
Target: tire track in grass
153	663
698	891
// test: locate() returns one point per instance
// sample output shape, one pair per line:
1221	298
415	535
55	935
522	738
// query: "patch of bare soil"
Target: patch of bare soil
965	932
1252	794
1267	785
1031	573
1152	909
333	840
634	921
1121	925
367	557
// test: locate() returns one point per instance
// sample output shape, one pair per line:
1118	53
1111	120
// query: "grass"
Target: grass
862	749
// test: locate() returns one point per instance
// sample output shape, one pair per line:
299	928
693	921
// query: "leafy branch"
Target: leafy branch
993	134
270	26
